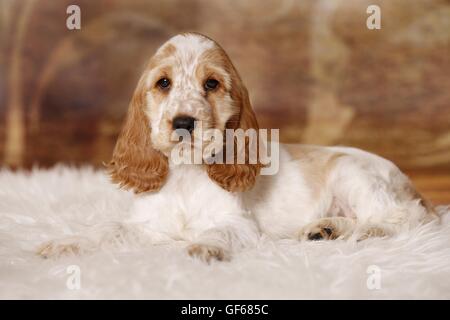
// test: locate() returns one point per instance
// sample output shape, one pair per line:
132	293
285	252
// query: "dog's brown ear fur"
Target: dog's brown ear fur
238	177
135	163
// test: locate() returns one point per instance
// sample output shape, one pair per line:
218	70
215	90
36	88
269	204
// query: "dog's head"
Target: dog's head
189	81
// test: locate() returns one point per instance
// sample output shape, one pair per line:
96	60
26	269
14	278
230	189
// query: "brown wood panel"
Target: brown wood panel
313	70
435	186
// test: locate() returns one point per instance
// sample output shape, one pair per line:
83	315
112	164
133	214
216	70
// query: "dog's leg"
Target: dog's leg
208	252
213	244
218	243
110	235
328	229
68	246
366	231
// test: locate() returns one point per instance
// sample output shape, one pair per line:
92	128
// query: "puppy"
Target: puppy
318	193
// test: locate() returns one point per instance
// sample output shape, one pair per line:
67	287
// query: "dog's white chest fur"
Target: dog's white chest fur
187	205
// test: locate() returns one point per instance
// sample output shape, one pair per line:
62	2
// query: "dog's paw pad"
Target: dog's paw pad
315	236
316	233
208	253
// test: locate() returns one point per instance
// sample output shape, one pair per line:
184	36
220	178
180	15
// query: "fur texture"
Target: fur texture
62	202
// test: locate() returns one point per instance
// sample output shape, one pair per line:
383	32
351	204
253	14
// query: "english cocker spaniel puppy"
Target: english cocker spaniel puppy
190	87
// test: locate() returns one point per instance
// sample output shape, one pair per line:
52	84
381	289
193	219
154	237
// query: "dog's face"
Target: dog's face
190	84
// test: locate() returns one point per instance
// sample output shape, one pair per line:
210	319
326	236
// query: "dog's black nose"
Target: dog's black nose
184	122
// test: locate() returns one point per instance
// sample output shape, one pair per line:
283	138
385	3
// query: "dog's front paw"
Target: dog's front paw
366	232
315	233
208	252
60	248
331	228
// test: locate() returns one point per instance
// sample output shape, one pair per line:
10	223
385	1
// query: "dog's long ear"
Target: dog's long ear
135	163
238	177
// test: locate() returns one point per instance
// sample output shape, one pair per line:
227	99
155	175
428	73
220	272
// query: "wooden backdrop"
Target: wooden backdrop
313	70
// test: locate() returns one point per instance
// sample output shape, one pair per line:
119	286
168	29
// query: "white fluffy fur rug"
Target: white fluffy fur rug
47	204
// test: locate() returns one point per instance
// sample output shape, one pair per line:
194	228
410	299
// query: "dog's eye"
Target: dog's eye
211	84
163	83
